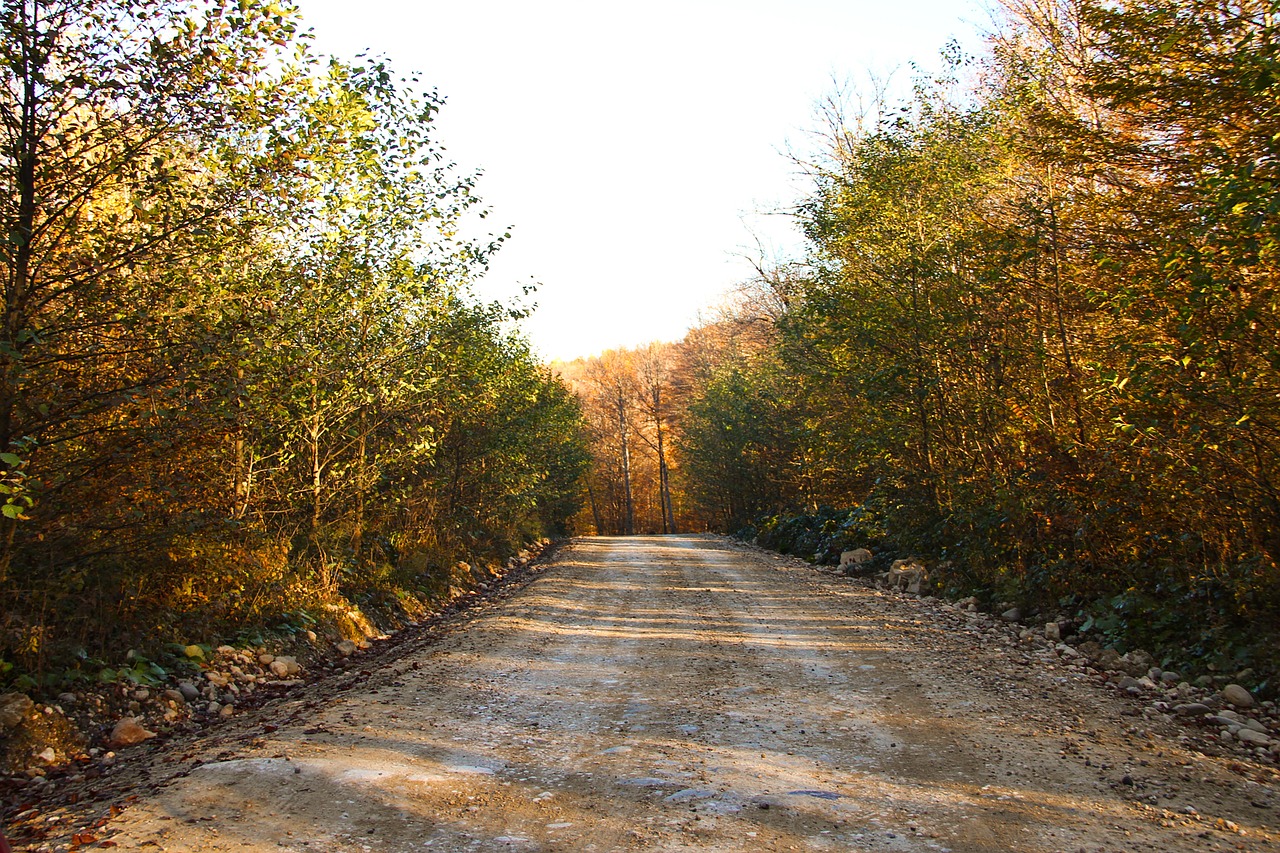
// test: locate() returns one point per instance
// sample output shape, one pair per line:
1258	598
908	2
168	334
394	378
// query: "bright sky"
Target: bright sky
638	149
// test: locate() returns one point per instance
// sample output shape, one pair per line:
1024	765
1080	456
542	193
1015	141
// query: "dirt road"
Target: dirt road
685	693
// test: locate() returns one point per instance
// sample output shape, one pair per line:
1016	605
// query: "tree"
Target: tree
654	375
625	396
243	372
1035	336
116	118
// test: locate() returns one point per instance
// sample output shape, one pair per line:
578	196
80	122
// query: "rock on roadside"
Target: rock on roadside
128	732
1237	695
14	708
284	666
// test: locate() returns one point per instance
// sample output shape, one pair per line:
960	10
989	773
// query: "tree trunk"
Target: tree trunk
317	474
629	524
18	287
362	472
1063	338
664	478
595	509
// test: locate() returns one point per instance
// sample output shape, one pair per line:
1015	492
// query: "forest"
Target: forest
246	386
1035	340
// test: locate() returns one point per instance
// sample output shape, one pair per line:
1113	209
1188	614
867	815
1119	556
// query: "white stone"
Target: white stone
1249	736
905	574
291	665
1237	695
856	557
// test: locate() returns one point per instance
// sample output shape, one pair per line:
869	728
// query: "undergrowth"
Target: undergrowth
143	628
1212	624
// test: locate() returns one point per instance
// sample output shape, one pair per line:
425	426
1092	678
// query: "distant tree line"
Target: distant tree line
241	374
1037	337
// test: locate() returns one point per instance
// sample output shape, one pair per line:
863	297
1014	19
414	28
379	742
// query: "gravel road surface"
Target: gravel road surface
691	693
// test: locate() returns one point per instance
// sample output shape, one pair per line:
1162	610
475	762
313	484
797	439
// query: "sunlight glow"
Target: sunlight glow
639	151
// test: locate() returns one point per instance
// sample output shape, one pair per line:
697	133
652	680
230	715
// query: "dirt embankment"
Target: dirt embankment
688	693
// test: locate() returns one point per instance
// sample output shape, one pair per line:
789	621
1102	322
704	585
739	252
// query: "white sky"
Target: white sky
639	150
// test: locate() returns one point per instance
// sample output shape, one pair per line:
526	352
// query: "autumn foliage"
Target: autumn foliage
1034	340
1036	337
242	377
